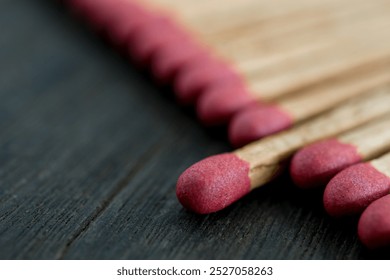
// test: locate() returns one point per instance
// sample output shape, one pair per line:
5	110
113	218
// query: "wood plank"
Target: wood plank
90	152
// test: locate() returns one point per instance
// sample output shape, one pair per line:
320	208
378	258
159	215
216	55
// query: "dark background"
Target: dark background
90	151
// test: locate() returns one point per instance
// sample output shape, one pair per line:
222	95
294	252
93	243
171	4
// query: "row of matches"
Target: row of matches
336	89
256	71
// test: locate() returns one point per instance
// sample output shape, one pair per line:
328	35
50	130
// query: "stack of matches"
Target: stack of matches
281	76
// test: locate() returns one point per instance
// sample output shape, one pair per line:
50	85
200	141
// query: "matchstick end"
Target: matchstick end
316	164
213	183
374	224
257	121
354	188
219	103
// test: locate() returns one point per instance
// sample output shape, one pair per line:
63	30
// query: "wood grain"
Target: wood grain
90	152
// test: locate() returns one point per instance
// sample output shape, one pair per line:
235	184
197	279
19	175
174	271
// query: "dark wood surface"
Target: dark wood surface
90	151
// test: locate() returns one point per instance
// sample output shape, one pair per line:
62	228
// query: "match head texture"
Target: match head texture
213	183
374	224
314	165
218	104
127	20
198	75
257	121
80	7
148	38
354	188
170	58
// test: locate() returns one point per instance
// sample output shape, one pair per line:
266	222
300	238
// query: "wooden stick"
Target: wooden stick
331	92
305	73
374	224
216	182
382	164
286	30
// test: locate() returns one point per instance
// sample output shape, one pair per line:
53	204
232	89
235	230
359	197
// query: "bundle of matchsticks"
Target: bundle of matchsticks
303	83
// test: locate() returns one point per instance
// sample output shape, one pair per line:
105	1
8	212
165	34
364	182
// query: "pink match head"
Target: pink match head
199	74
150	37
170	58
213	183
374	224
314	165
354	188
127	20
79	7
99	13
217	104
257	121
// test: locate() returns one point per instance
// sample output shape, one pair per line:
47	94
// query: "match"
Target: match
354	188
216	182
259	120
374	224
314	165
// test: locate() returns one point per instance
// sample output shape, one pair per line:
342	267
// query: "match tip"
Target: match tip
374	224
220	102
149	38
127	20
257	121
354	188
170	58
314	165
197	75
213	183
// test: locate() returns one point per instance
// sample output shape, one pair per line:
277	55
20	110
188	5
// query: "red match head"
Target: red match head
198	75
374	224
127	20
257	121
354	188
220	102
314	165
170	58
213	183
148	38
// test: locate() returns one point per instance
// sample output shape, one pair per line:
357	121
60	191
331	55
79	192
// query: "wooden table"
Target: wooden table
90	151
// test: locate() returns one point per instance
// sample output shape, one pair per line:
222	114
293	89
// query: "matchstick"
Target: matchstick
216	182
283	79
267	80
374	224
314	165
259	120
354	188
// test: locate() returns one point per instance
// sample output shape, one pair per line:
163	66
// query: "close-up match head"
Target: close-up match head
213	183
218	104
198	75
170	58
314	165
354	188
149	38
374	224
257	121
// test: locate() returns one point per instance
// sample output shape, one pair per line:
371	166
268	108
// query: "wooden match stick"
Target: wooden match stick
216	182
278	78
354	188
374	224
143	51
314	165
259	120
